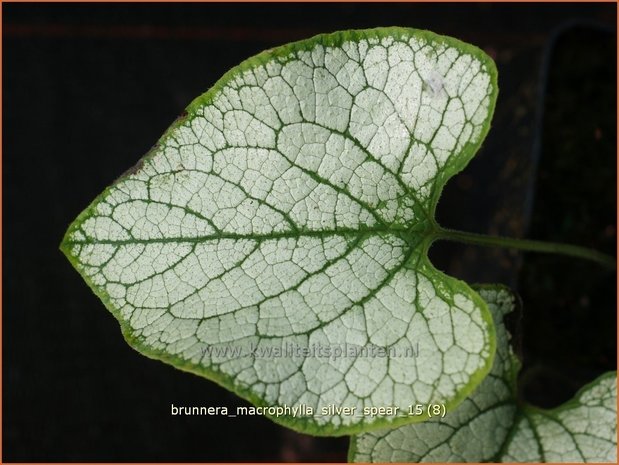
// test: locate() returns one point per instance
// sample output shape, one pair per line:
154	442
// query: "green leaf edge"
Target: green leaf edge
303	425
574	401
523	408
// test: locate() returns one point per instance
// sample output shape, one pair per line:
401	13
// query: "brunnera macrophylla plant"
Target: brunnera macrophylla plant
286	218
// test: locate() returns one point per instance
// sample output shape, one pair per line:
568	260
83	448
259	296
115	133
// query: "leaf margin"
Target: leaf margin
522	409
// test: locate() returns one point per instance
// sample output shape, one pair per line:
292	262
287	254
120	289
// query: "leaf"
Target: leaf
493	426
293	208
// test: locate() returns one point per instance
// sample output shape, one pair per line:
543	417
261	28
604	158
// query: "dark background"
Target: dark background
87	89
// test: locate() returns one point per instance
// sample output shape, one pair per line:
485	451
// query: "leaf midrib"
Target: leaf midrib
407	234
